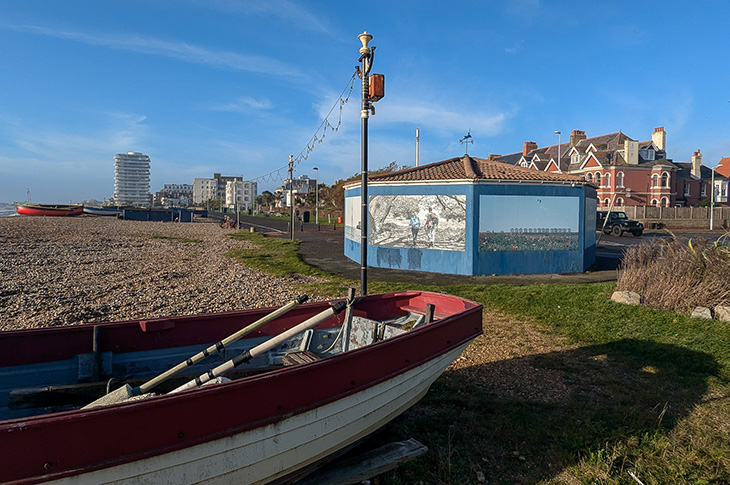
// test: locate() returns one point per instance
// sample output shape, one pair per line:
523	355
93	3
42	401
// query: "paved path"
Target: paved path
324	249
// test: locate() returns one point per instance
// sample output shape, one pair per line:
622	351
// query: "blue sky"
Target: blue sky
205	86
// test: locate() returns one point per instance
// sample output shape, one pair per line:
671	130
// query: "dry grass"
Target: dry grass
678	275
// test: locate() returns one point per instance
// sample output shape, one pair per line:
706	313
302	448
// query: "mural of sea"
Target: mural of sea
7	209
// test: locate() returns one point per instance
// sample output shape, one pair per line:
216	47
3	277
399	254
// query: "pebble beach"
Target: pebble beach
73	270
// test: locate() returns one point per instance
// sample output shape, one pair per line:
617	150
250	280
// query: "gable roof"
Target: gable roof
468	168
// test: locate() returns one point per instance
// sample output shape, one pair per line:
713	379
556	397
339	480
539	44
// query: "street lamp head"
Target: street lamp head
557	132
365	38
315	169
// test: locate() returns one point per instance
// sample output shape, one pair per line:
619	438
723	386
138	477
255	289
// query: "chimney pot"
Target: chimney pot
528	147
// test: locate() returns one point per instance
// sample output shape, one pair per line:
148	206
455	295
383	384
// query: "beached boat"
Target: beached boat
307	381
49	209
102	211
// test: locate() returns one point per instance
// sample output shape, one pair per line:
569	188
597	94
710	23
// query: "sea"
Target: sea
7	209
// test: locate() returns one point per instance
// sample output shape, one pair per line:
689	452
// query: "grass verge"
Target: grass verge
565	386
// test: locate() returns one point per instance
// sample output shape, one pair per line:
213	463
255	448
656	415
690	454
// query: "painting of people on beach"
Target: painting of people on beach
352	218
418	221
528	223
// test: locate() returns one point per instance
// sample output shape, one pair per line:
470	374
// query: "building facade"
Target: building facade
216	188
625	171
132	179
240	194
294	190
174	195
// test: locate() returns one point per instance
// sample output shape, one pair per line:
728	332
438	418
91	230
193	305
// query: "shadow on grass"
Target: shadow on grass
526	420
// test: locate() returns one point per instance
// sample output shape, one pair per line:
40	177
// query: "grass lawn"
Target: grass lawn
565	386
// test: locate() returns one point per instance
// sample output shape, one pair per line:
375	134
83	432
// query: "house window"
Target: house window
703	191
686	188
655	180
665	179
597	178
620	201
589	177
607	202
574	158
607	180
654	202
620	179
665	202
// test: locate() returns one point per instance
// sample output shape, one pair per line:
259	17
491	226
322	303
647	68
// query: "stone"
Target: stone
722	312
626	297
702	312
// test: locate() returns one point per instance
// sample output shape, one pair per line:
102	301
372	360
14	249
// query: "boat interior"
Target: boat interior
62	385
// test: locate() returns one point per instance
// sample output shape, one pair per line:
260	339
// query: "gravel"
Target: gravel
60	271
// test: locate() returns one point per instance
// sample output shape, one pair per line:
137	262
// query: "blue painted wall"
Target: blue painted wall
471	261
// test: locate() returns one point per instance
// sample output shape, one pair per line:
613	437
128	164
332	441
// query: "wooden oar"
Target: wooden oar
247	355
127	391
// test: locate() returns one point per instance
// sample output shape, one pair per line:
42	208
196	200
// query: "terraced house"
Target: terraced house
626	171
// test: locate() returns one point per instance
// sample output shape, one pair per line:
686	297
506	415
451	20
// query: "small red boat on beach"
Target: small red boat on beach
246	397
50	209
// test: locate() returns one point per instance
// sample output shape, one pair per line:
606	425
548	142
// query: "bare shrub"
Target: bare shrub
678	274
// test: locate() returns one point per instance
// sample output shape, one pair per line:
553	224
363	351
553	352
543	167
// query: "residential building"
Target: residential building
296	188
131	179
205	189
174	195
625	171
240	194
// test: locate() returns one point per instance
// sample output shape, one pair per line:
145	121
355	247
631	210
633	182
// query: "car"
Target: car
617	223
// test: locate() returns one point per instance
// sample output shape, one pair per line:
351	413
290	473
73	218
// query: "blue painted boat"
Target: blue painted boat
102	211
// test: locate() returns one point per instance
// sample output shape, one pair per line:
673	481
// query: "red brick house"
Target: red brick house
626	171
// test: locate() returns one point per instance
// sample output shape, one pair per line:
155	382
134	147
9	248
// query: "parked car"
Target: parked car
617	224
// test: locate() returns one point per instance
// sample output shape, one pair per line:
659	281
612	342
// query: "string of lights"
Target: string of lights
316	139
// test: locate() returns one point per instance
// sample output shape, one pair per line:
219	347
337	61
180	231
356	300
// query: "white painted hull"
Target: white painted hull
261	455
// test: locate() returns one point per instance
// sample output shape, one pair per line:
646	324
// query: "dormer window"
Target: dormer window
647	154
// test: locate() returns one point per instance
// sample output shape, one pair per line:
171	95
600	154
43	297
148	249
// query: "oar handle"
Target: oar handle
218	346
247	355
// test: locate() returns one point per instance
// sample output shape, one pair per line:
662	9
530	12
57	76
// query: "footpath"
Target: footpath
324	249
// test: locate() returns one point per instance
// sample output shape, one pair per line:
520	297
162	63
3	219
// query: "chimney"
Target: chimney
631	151
576	136
697	165
659	137
528	147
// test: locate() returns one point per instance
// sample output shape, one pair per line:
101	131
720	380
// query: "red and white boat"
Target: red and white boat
312	380
50	209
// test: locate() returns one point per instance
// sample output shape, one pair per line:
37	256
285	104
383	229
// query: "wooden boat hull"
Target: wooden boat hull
49	210
102	211
250	430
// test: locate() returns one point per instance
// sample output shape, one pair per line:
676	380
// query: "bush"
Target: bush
678	275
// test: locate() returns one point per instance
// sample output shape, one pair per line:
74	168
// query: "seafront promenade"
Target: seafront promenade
57	271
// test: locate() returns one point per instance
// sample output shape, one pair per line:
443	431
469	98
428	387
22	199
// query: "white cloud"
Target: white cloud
285	10
244	105
169	48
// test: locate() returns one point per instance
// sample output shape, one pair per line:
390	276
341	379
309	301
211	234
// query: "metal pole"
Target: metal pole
712	200
365	65
291	195
558	133
417	140
316	197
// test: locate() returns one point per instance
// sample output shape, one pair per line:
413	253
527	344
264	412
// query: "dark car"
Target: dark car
617	224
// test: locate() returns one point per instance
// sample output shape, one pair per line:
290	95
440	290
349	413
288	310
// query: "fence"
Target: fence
684	217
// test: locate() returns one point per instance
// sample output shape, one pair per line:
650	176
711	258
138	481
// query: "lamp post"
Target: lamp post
364	71
558	133
316	196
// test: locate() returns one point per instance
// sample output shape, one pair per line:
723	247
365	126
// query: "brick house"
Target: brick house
626	171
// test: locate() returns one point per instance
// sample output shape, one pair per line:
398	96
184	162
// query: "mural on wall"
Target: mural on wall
418	221
590	221
352	218
528	223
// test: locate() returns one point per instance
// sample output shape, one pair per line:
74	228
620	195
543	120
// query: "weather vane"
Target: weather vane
466	140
